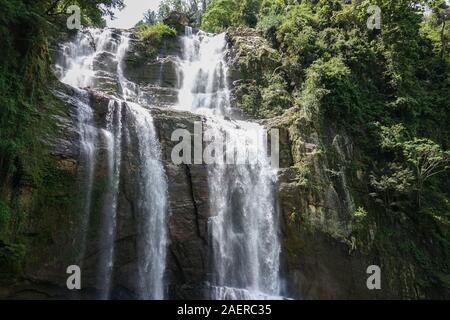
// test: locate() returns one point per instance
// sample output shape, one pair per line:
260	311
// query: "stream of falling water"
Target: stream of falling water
113	138
244	226
77	69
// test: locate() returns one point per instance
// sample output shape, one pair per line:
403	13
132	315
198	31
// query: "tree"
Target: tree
221	14
193	9
396	180
167	6
92	10
440	18
427	158
150	17
248	12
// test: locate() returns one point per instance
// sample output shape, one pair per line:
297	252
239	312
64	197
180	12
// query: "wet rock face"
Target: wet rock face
188	255
323	258
177	20
187	260
158	78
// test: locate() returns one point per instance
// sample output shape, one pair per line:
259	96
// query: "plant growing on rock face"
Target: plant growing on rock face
360	214
294	215
321	77
425	158
396	181
151	37
154	33
275	97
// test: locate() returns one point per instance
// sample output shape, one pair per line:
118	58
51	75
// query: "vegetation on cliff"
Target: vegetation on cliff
27	108
151	38
387	89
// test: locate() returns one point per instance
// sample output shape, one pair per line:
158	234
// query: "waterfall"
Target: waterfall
113	138
129	90
88	136
244	222
77	69
243	227
203	70
152	203
152	206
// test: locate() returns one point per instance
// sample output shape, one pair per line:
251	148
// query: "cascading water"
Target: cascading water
77	69
76	66
152	206
152	203
244	228
203	70
88	143
113	138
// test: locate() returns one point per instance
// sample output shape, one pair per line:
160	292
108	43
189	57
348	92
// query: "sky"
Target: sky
132	14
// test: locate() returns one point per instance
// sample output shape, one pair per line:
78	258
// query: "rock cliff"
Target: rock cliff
319	192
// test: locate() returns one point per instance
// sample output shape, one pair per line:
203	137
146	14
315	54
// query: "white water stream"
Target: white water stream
245	245
244	226
77	69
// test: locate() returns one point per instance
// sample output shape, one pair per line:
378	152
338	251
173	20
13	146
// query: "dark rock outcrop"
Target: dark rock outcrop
177	20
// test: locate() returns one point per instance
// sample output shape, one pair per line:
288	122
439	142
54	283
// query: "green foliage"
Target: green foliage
387	89
297	34
360	213
92	11
150	17
167	6
221	14
151	37
25	73
154	33
439	27
321	76
270	19
27	107
5	218
275	97
395	181
248	11
11	257
193	9
424	157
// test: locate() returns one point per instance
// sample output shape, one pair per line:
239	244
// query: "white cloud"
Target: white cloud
132	14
